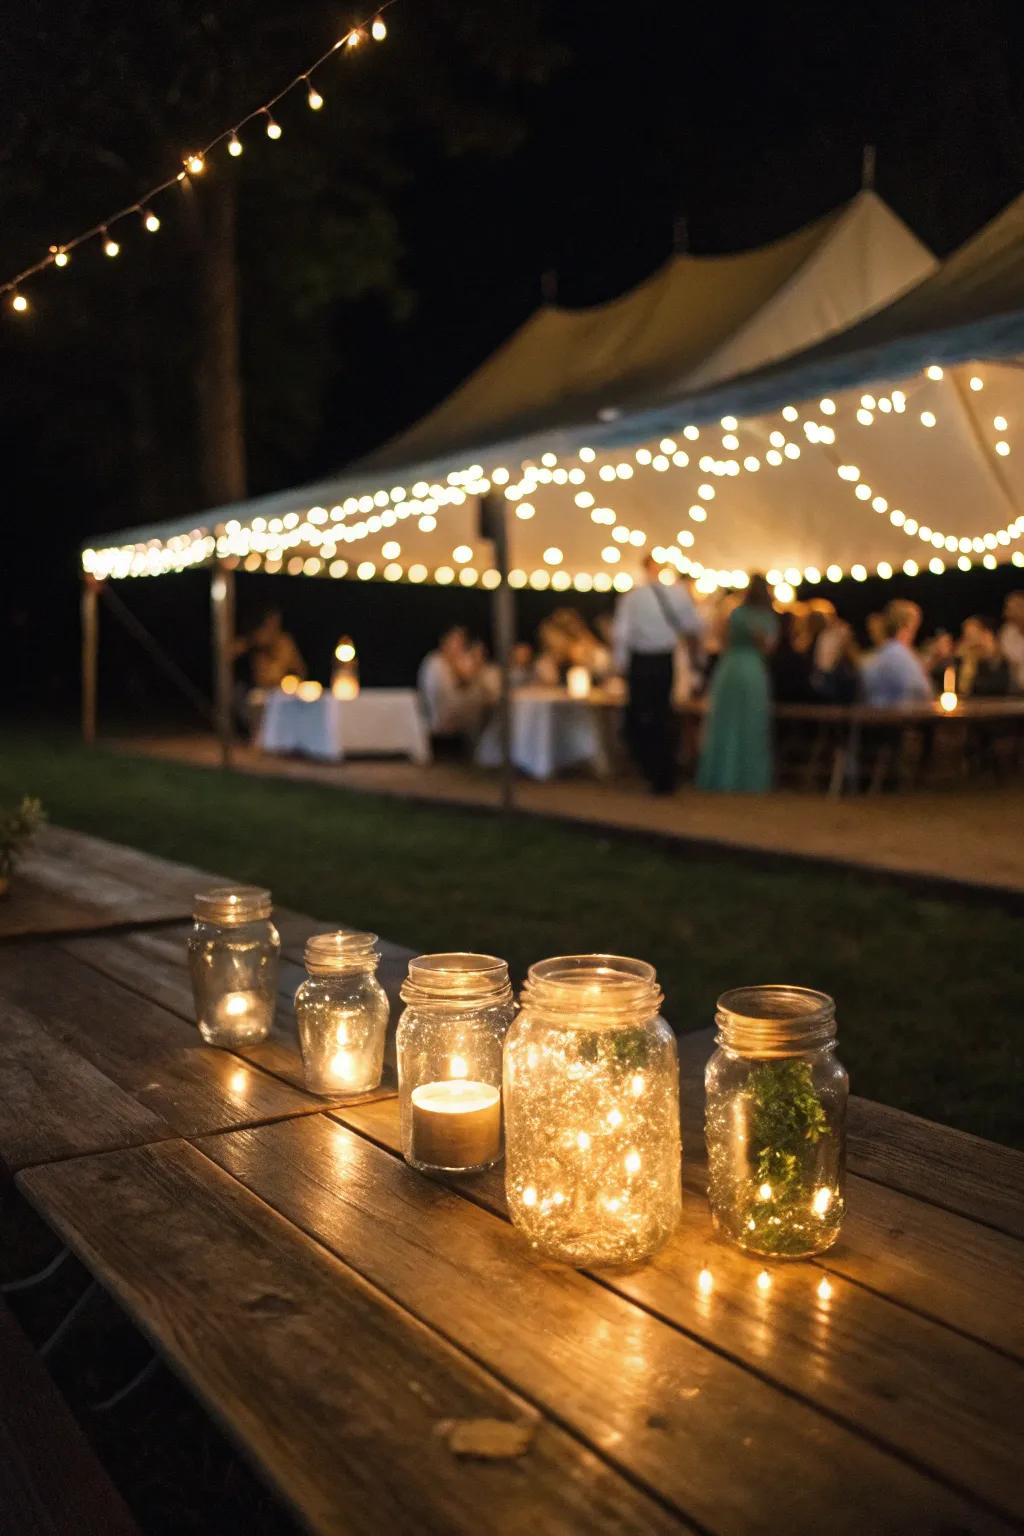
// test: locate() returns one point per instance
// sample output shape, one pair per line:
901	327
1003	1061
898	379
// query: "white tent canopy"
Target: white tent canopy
665	420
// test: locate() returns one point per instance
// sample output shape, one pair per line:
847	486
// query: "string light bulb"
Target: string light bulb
19	303
235	145
354	38
314	100
110	246
378	30
60	256
195	165
274	129
149	220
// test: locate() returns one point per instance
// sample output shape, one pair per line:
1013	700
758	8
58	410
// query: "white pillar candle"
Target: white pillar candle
456	1124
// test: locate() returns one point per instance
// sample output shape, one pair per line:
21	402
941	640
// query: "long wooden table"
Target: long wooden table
356	1327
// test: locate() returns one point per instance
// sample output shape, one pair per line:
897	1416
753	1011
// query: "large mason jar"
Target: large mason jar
592	1148
776	1121
449	1042
233	952
341	1011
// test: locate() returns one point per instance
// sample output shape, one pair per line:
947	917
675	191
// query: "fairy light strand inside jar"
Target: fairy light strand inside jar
775	1122
592	1112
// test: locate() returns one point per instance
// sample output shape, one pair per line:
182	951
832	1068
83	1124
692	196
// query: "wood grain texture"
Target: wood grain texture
51	1483
673	1414
945	1402
140	1047
337	1396
155	964
54	1103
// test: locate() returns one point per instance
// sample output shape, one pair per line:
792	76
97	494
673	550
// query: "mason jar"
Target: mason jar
776	1122
341	1012
233	952
449	1042
592	1146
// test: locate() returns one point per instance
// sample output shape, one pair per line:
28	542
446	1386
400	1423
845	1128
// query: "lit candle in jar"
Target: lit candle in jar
236	1011
456	1124
577	680
948	699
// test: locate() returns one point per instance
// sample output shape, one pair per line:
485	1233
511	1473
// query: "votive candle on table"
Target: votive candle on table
233	953
341	1012
591	1095
578	682
449	1041
776	1121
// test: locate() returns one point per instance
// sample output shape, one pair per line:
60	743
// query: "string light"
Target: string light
19	303
194	163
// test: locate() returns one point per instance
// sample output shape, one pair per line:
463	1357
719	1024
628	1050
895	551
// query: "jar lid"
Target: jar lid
594	990
228	905
342	952
775	1019
457	978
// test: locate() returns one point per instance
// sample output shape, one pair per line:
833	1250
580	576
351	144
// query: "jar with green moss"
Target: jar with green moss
776	1122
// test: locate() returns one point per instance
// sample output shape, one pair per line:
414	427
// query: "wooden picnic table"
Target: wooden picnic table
351	1322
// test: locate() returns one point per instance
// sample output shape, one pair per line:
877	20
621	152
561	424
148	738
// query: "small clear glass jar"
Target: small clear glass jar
342	1011
233	953
449	1042
776	1122
592	1155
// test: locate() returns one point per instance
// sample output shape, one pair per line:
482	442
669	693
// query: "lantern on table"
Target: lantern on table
345	679
449	1042
948	699
578	682
341	1012
591	1091
776	1121
233	953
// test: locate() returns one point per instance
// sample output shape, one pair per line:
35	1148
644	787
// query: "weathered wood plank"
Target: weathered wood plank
155	965
50	1481
140	1046
941	1400
670	1412
54	1103
338	1396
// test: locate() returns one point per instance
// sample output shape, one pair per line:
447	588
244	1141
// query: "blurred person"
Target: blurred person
448	686
736	753
982	671
791	661
895	674
271	650
874	624
521	664
840	682
651	620
1011	639
566	640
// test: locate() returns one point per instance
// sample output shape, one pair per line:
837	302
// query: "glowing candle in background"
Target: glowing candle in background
948	698
577	680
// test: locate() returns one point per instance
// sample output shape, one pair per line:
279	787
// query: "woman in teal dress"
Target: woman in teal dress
736	753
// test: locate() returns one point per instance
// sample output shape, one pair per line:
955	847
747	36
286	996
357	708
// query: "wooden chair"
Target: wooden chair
51	1483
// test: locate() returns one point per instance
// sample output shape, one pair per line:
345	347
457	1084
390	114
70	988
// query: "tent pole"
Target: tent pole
503	612
90	657
222	614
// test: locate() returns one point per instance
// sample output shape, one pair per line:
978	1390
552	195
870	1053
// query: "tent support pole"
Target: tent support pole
503	610
90	657
222	614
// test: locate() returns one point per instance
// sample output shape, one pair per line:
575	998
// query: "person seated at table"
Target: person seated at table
895	675
1011	639
566	640
449	687
791	661
521	664
736	753
272	651
874	625
839	683
982	671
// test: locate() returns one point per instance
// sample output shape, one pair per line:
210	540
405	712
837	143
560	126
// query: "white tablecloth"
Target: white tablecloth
380	720
550	732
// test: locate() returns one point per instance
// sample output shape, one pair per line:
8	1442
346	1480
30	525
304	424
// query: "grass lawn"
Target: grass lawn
928	990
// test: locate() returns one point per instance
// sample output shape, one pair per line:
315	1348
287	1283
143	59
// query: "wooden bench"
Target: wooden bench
50	1481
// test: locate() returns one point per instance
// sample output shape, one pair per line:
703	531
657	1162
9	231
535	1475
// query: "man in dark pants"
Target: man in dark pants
650	621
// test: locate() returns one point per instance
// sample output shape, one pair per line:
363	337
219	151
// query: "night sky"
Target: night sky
743	123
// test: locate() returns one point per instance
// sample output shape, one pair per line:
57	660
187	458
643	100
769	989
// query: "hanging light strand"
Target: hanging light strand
194	163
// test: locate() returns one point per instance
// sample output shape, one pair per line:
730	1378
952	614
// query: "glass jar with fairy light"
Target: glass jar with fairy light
449	1043
341	1012
776	1122
233	953
591	1087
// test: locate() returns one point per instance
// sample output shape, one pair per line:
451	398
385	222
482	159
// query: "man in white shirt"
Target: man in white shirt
650	621
1011	639
895	675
